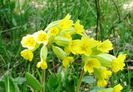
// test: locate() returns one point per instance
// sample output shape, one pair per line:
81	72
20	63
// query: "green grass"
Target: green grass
21	17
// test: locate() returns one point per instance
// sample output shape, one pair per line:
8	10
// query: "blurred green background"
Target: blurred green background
103	19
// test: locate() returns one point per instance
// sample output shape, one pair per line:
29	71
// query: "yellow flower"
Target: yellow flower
118	63
82	46
105	73
85	47
28	42
67	35
86	44
92	42
41	37
27	54
101	83
66	61
78	27
117	88
66	22
42	64
102	73
90	64
54	30
105	46
67	50
74	47
122	57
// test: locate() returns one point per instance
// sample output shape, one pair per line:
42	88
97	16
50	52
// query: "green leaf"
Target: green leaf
33	82
54	83
10	85
59	52
43	52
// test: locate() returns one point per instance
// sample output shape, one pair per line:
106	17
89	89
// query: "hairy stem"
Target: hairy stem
79	81
43	81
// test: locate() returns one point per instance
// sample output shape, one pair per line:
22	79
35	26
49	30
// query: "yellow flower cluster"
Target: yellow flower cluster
68	40
31	42
102	75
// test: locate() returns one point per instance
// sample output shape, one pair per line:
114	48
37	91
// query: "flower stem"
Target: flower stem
79	81
43	81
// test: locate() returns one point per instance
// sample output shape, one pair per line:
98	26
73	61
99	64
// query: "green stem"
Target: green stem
43	81
79	81
97	3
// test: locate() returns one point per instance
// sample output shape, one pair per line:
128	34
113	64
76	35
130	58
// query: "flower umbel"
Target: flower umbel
68	42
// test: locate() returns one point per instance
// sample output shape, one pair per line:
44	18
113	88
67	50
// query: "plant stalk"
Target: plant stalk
43	81
98	17
79	81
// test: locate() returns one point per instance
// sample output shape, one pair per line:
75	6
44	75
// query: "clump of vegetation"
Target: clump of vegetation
105	23
60	39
